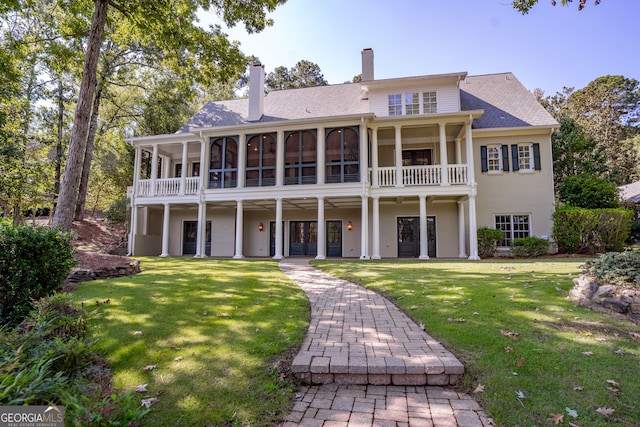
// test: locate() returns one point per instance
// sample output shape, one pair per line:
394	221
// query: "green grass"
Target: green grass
216	329
472	307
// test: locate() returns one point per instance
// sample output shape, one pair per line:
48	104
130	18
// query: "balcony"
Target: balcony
166	187
423	175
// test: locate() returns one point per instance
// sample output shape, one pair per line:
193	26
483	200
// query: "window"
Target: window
395	105
412	103
513	226
261	160
223	162
300	158
417	157
195	169
494	158
342	155
525	157
429	103
178	173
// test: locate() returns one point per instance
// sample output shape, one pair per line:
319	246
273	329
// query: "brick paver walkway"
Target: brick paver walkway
366	363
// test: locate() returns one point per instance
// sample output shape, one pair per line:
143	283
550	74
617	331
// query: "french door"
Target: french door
409	237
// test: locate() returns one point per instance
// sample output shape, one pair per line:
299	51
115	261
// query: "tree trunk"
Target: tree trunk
63	216
58	160
88	155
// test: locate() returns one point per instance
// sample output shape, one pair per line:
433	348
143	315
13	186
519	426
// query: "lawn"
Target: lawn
215	332
530	355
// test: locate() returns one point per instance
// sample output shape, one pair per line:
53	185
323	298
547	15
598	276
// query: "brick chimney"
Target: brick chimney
256	92
367	65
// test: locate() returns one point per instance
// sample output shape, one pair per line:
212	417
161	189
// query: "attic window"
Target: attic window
395	104
411	103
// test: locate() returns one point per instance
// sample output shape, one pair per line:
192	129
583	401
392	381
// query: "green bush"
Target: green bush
578	230
588	191
529	247
116	213
33	263
488	240
618	268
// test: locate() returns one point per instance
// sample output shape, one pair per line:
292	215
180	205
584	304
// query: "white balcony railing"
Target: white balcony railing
167	187
423	175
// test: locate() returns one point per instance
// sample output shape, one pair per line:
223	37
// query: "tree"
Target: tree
303	74
589	191
525	6
201	55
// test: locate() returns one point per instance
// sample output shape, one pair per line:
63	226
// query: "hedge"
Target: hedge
578	230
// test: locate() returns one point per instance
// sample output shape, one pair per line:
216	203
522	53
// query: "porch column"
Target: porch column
279	159
322	235
462	253
202	229
444	170
239	230
364	232
469	148
154	169
136	171
473	232
278	254
165	230
242	160
399	181
364	154
320	157
376	228
134	227
183	175
374	158
204	165
458	151
424	253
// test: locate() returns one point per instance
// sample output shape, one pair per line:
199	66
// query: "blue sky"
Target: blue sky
549	48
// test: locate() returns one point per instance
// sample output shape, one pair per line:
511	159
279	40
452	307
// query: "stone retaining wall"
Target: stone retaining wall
588	292
129	269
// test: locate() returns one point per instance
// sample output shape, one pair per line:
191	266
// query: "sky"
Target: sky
550	48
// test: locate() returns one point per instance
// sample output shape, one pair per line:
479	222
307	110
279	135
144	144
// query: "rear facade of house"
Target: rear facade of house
396	168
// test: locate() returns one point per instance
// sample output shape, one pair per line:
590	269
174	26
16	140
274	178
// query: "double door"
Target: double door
409	237
190	238
303	238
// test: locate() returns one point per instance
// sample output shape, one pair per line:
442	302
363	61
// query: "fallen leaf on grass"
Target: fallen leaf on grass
557	418
587	353
137	333
520	363
613	390
147	402
573	424
613	383
634	335
177	359
520	394
457	319
605	411
508	350
479	389
578	388
511	334
572	412
149	367
141	388
620	351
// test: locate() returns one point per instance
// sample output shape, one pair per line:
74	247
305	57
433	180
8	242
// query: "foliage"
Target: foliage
33	264
634	232
218	332
530	247
588	191
617	268
520	333
579	230
49	359
116	213
303	74
488	240
525	6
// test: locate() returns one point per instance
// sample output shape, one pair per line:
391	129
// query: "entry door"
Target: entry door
303	238
334	238
409	237
190	238
272	237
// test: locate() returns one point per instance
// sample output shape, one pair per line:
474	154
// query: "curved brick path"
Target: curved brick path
366	363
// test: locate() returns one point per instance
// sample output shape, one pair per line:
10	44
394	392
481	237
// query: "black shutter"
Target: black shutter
483	158
505	158
536	156
514	157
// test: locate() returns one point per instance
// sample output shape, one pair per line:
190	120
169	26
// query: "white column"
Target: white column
134	227
321	151
165	230
202	229
239	230
364	232
424	253
462	253
278	254
242	159
469	146
374	158
364	154
473	232
458	152
279	159
154	169
322	234
183	176
376	228
443	155
136	171
399	182
204	165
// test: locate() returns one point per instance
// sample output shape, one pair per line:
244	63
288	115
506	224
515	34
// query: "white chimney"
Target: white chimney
367	65
256	92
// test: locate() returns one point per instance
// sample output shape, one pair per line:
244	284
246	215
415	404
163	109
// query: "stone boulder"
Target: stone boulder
589	293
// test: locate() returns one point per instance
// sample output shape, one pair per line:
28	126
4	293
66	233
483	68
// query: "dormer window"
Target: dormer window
412	103
395	104
429	103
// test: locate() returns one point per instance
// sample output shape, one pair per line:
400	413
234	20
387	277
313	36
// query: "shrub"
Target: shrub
618	268
116	213
488	239
33	264
578	230
588	191
530	247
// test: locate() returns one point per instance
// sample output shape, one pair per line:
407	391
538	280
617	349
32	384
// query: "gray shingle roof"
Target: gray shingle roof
503	98
505	101
630	192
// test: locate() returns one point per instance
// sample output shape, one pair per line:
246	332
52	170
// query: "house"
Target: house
402	167
630	196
